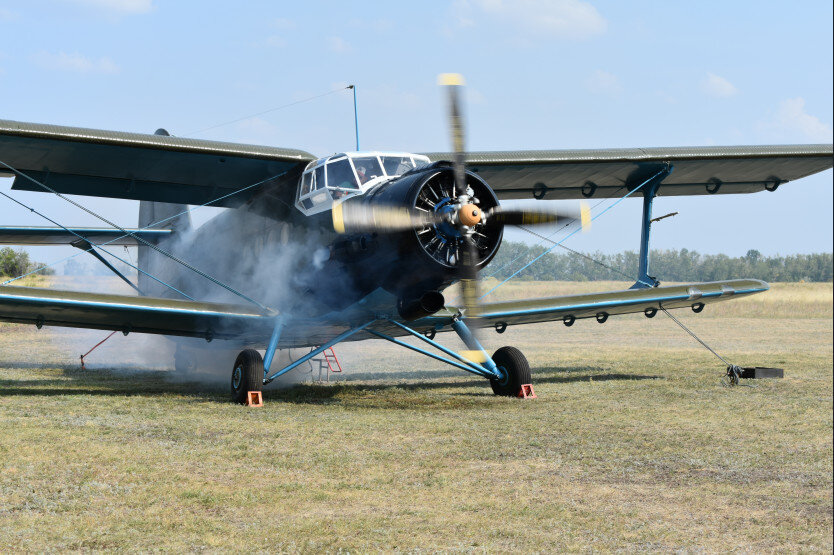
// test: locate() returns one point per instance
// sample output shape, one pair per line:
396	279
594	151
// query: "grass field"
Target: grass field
633	443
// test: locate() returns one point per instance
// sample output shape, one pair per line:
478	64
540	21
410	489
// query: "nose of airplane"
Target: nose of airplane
469	215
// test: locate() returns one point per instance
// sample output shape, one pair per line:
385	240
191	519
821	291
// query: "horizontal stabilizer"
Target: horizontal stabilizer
95	235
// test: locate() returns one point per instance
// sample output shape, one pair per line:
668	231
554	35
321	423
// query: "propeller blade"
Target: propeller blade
357	217
537	216
454	83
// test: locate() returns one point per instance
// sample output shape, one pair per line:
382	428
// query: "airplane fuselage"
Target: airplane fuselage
301	265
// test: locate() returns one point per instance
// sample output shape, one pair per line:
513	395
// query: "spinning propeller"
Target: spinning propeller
462	214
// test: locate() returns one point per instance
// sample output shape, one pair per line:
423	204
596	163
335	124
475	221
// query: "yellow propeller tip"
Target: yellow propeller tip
585	212
446	79
474	356
338	218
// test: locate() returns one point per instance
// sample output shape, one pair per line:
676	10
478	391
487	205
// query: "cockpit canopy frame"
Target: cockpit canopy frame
348	174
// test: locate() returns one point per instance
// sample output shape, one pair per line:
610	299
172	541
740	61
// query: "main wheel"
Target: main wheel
516	371
247	374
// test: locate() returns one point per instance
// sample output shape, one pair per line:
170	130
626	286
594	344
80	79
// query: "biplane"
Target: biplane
358	245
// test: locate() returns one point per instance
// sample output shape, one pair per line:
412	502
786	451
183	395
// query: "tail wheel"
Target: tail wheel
247	374
515	368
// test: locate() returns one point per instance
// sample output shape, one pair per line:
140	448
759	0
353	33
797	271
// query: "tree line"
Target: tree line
666	265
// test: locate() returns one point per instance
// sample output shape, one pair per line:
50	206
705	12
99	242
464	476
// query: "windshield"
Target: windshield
397	165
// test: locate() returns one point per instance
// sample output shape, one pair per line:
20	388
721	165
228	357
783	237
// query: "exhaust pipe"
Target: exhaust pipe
411	308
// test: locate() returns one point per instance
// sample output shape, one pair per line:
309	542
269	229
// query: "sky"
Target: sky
540	74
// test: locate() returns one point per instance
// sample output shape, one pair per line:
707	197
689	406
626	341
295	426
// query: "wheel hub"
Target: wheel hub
237	377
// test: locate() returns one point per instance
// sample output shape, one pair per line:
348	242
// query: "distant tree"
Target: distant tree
13	262
667	265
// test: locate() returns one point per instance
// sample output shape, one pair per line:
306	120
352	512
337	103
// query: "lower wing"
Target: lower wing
32	305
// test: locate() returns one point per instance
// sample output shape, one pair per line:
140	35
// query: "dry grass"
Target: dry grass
633	444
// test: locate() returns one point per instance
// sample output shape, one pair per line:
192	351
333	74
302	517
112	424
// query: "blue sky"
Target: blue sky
540	74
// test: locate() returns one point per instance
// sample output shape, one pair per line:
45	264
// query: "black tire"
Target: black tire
247	374
516	371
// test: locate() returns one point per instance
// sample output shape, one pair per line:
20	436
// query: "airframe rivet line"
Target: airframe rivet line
47	218
574	232
149	226
140	239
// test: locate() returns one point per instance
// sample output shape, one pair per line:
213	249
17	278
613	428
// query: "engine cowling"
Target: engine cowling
411	263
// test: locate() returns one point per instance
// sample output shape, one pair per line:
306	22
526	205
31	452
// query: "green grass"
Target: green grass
633	444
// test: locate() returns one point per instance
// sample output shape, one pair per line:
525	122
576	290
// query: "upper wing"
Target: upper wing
567	174
141	167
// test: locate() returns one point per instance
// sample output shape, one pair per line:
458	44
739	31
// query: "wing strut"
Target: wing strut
649	190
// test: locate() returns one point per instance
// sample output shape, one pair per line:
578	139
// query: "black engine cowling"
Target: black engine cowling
427	259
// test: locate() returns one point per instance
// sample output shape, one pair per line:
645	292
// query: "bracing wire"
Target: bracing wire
546	238
149	226
574	232
138	239
47	218
302	101
582	254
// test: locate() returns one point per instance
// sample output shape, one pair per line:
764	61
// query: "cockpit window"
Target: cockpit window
367	168
340	174
306	181
319	178
397	165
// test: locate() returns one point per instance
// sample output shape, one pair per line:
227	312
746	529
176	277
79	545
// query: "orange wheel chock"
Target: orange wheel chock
526	392
254	399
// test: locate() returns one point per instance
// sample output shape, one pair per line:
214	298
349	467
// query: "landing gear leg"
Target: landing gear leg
515	372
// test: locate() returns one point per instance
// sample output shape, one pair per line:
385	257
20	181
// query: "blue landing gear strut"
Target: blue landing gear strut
649	190
487	369
273	345
506	378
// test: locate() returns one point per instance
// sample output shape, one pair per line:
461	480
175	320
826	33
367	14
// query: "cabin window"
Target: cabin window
397	165
367	168
306	181
340	175
320	182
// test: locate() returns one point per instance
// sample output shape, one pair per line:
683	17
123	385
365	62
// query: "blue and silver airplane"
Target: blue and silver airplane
358	245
